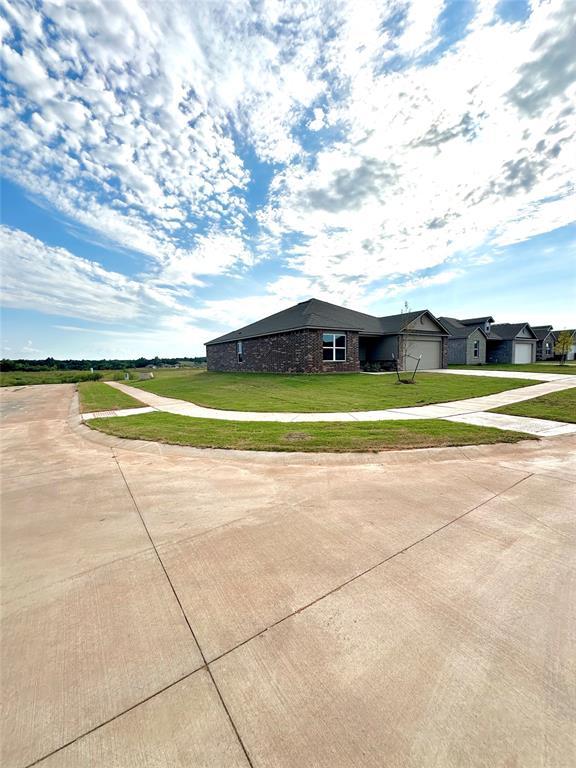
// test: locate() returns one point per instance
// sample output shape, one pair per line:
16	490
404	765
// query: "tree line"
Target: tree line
51	364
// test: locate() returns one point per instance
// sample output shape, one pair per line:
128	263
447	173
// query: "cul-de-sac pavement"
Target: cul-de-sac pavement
169	606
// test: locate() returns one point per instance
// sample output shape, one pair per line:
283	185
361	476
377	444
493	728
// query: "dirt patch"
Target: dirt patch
293	437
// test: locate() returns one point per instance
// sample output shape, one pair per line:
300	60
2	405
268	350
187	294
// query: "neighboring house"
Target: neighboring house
511	343
317	337
467	342
572	352
546	339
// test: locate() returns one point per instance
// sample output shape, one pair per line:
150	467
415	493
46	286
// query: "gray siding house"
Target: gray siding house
511	343
317	337
545	341
467	342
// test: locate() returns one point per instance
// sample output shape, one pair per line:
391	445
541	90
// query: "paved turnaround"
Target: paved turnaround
470	411
165	606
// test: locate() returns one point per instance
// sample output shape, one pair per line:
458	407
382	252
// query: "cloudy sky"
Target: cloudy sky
172	170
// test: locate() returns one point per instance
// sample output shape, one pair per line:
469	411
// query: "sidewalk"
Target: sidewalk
457	410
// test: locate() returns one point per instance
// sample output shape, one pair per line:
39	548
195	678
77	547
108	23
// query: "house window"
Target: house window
548	346
334	347
240	351
487	326
476	349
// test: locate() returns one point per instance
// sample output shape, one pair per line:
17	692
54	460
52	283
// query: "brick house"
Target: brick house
511	343
317	337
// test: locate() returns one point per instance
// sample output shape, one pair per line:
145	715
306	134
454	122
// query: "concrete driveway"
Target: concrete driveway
165	606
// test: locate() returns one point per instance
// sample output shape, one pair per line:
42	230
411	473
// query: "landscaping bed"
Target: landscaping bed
301	436
321	392
556	406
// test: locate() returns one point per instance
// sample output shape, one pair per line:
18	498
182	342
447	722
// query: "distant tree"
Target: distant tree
405	309
563	345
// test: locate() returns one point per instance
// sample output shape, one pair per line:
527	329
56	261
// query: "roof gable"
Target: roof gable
542	331
406	322
458	330
509	331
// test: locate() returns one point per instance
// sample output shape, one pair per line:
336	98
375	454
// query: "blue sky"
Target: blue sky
174	170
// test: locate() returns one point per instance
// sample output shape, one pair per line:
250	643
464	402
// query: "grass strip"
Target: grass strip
308	437
97	396
556	406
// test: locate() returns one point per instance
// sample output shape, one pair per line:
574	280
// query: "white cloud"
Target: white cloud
438	159
214	254
421	25
56	282
388	156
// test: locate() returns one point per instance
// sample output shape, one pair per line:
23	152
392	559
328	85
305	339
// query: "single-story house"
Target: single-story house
317	337
511	343
467	340
572	352
545	341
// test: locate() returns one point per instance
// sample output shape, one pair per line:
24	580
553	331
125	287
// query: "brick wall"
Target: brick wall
291	352
499	351
444	352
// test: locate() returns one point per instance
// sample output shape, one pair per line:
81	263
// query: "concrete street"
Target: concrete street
178	607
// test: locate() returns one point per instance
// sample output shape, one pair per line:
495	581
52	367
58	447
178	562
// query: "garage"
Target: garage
523	352
430	349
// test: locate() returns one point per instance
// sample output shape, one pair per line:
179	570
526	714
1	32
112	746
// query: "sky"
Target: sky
174	170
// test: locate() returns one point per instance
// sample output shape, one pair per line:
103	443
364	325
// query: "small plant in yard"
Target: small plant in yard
563	346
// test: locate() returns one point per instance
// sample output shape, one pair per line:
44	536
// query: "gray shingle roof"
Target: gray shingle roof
457	329
505	331
541	331
477	320
314	313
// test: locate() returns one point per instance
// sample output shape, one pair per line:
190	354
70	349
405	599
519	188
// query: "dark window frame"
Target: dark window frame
476	348
240	351
333	352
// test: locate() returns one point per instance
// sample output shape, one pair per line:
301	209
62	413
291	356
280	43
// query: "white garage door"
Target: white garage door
430	349
522	352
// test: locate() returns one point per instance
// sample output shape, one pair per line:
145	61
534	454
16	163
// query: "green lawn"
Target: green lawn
27	378
321	392
569	368
97	396
319	436
557	406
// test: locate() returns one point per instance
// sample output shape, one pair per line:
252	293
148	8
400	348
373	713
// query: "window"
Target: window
487	326
548	347
334	347
476	349
240	351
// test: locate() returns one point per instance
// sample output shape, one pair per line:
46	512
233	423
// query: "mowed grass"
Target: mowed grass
553	367
26	378
319	436
321	392
557	406
98	396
